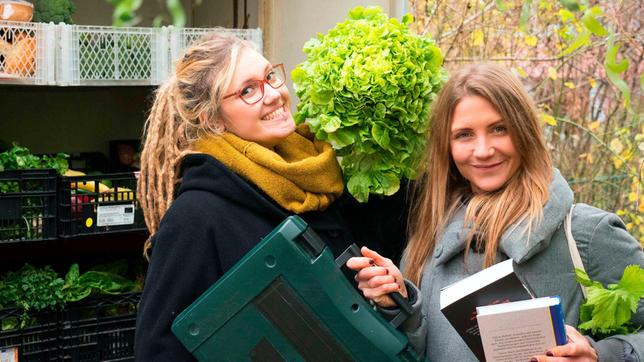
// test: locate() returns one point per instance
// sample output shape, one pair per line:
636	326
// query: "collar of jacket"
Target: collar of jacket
515	242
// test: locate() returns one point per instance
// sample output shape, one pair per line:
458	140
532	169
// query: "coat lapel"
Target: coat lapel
516	243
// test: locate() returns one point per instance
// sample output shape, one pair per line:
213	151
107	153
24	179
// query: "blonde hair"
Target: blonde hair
186	107
442	189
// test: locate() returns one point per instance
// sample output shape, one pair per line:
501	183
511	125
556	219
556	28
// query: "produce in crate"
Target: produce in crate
16	10
89	186
19	56
84	193
366	87
35	289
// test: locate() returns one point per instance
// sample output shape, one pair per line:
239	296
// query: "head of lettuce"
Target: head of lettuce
366	87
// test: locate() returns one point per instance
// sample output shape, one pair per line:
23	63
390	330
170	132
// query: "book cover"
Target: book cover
519	330
494	285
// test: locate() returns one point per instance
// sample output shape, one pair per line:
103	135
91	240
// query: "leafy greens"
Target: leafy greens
34	289
608	310
366	87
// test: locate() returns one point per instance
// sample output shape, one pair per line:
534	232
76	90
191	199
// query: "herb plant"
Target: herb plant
20	158
34	289
28	224
608	310
31	290
366	87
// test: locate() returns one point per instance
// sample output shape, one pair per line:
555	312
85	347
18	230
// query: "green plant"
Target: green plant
79	286
608	310
20	158
125	12
366	87
34	289
56	11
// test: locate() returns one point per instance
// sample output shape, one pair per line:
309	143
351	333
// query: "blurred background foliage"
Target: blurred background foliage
582	61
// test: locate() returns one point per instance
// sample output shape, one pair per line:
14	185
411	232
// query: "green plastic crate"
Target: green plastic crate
287	300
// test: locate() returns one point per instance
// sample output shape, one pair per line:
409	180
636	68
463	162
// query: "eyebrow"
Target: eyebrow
494	123
266	69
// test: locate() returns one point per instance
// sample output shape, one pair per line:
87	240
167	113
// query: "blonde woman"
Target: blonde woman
221	166
490	193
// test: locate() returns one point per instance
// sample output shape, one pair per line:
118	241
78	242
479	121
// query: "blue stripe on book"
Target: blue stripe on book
556	313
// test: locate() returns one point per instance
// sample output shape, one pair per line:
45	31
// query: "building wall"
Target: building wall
288	24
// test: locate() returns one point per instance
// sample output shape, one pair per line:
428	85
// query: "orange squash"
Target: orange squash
19	57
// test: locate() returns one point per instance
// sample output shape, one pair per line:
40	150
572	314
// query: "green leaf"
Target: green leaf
342	138
571	5
176	11
358	186
380	135
614	68
389	183
609	310
501	5
633	280
330	123
591	23
407	19
72	275
583	278
582	39
526	12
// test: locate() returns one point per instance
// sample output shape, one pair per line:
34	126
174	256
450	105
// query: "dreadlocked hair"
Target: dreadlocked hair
185	108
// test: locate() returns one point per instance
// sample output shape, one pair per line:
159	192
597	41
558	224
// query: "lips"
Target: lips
487	166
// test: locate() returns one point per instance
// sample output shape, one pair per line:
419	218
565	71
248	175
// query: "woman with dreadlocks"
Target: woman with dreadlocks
222	165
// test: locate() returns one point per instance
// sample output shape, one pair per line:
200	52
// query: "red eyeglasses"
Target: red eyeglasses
253	92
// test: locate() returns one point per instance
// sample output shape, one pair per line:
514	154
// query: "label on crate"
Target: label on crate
111	215
9	355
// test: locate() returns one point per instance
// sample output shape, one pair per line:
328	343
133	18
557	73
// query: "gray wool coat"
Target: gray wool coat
544	262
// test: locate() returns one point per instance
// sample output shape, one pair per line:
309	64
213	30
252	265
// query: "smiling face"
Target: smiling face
481	146
266	122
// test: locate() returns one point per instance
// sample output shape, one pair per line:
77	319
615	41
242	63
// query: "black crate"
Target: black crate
36	341
86	206
28	205
99	329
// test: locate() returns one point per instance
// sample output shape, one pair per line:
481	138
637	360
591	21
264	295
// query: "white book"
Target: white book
519	330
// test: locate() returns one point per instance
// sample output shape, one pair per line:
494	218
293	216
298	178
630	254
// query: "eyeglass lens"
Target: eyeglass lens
254	91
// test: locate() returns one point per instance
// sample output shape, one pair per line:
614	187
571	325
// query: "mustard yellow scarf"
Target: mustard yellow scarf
301	174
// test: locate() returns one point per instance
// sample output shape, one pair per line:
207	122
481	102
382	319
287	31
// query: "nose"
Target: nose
483	148
271	94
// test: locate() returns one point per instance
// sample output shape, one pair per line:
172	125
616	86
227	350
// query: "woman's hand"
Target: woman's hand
577	349
377	277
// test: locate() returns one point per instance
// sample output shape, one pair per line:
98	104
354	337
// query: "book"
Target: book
517	331
494	285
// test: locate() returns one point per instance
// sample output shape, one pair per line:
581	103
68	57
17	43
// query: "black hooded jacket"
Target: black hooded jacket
215	219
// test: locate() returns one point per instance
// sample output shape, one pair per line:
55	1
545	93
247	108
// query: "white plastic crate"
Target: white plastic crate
73	55
27	53
180	38
103	55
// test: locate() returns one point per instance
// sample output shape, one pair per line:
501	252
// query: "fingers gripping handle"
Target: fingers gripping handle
405	307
